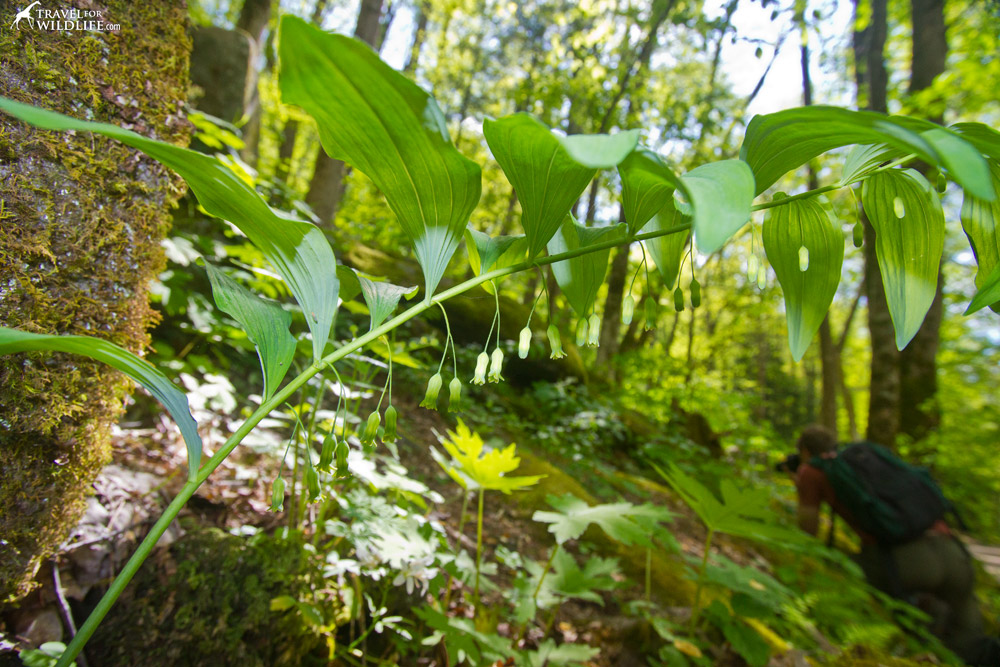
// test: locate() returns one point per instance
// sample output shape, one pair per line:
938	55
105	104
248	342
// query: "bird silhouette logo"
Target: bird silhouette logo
24	14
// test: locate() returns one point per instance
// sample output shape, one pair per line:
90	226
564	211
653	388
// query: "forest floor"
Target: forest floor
144	475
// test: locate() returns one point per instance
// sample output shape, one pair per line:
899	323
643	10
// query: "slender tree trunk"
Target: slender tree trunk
327	186
253	19
919	410
883	395
419	34
611	318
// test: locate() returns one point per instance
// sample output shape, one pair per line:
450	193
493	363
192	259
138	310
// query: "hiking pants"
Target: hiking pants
935	573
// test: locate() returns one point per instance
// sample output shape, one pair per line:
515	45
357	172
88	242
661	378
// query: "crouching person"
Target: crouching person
907	548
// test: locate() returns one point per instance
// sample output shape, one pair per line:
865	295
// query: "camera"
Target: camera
789	464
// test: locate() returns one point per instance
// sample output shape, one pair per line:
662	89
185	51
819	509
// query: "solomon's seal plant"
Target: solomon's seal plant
385	126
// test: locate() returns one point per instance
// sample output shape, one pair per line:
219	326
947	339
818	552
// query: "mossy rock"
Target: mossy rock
207	601
81	222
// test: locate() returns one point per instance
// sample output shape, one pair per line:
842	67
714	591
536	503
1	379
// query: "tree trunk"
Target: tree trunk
81	244
919	411
611	318
253	19
830	377
327	186
883	395
419	34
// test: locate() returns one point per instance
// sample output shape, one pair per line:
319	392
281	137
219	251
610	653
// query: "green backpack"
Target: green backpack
889	499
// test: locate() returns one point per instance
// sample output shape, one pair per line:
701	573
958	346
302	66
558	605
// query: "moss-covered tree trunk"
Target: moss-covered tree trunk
82	220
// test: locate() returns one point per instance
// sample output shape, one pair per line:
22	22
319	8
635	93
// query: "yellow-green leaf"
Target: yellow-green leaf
981	222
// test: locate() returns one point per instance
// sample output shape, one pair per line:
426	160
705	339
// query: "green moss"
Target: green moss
208	602
83	218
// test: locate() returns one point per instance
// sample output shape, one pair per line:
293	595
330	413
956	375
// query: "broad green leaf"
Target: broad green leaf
983	137
297	249
981	222
863	158
569	580
804	223
549	172
779	142
744	640
266	325
140	370
573	516
564	655
350	286
381	297
383	124
488	469
743	512
721	194
647	187
667	251
581	277
282	603
487	253
988	294
909	239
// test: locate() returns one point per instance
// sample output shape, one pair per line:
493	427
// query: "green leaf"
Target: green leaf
983	137
721	194
282	603
266	325
863	158
743	512
140	370
909	247
568	580
573	516
581	277
487	253
981	222
383	124
804	223
745	641
549	172
667	251
779	142
988	294
382	297
350	286
297	249
564	655
487	469
647	187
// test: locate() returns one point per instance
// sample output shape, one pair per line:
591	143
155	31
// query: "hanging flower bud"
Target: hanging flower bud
628	309
524	343
803	258
678	299
431	397
278	494
312	483
761	277
581	332
695	293
326	453
753	265
482	361
941	183
555	342
651	309
455	395
594	331
371	428
496	365
341	453
389	434
859	234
